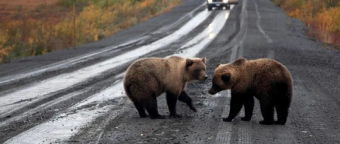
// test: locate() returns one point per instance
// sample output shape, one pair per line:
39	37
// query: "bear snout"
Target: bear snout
203	78
212	92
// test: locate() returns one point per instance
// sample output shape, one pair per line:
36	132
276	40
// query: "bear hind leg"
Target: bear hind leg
283	91
152	108
267	111
140	108
282	114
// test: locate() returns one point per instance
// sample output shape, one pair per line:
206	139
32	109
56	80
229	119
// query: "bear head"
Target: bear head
226	75
195	69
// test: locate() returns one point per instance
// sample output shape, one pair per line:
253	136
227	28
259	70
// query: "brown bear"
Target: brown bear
268	80
148	78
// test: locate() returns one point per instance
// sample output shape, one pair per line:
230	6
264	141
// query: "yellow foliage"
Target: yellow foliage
4	48
323	16
334	19
35	36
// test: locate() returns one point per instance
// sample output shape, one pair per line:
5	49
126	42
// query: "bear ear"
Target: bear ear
204	60
218	65
240	61
189	62
225	77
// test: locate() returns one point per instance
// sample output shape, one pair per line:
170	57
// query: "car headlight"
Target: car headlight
225	1
210	1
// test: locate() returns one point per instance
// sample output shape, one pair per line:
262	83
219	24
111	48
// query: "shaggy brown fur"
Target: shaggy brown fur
148	78
268	80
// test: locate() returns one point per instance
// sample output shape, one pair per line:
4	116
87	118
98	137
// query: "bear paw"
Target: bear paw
144	116
157	117
246	118
175	116
191	106
279	123
227	119
193	109
266	122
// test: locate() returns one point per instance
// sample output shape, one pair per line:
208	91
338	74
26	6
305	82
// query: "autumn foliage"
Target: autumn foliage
91	21
321	16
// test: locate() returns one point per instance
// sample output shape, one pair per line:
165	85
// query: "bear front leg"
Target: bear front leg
248	107
186	99
171	100
235	106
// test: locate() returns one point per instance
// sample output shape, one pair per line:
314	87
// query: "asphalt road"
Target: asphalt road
76	95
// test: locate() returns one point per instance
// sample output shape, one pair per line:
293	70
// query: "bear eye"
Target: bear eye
197	70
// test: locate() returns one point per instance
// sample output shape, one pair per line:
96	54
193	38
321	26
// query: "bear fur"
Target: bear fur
268	80
148	78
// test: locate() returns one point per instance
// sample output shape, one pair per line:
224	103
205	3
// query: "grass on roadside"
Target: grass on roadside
95	19
321	16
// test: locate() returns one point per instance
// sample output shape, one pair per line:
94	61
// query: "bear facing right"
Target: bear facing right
266	79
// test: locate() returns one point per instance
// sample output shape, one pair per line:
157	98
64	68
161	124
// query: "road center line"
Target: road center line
224	134
64	63
195	45
271	54
179	21
269	40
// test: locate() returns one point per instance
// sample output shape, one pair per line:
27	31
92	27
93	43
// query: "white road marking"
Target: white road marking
63	126
65	63
43	106
20	98
224	134
205	38
269	40
271	54
234	50
233	54
179	21
67	124
241	50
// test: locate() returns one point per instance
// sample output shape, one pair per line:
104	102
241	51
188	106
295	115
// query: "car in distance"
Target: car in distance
220	4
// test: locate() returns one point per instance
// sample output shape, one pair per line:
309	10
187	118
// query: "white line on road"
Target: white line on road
241	51
65	63
269	40
44	106
20	98
271	54
63	126
205	38
179	21
224	134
